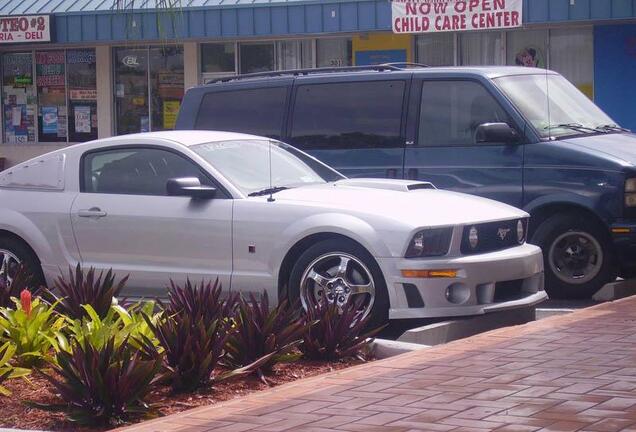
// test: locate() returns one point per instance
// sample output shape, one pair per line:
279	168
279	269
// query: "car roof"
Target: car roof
419	70
185	137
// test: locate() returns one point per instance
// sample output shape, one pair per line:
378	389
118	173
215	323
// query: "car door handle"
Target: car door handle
94	212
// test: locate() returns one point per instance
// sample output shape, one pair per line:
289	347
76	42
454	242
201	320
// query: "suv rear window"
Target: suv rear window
348	115
254	111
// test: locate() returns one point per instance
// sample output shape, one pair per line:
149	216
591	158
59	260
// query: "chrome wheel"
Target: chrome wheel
9	266
575	257
338	277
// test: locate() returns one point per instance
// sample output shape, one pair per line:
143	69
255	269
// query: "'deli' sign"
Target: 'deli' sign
25	28
429	16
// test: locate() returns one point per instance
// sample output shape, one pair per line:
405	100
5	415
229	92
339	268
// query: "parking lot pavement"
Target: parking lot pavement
573	372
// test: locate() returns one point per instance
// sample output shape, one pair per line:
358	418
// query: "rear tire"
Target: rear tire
14	251
577	256
361	270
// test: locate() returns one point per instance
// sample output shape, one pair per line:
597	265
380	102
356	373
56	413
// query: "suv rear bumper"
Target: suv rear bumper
488	282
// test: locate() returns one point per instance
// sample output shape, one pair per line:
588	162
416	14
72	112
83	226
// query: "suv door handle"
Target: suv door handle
94	212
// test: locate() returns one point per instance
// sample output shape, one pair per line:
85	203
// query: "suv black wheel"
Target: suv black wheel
339	270
577	256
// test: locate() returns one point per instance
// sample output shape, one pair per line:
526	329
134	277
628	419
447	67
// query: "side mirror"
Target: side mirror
496	133
189	186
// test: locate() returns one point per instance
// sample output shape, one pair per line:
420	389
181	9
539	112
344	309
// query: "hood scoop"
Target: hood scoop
387	184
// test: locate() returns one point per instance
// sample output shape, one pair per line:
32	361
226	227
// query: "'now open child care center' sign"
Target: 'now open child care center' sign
429	16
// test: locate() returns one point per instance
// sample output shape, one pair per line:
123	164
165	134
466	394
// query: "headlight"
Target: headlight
430	242
630	192
521	232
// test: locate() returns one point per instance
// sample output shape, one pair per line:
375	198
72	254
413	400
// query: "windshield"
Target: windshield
246	163
569	112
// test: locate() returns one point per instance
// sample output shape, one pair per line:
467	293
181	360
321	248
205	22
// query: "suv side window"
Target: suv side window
348	115
451	111
254	111
135	171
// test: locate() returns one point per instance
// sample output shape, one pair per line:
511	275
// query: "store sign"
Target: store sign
429	16
130	61
26	28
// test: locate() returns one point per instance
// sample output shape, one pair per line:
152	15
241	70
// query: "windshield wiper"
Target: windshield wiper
574	126
268	191
613	128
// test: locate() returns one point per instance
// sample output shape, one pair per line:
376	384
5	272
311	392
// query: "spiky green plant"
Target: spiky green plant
85	288
7	371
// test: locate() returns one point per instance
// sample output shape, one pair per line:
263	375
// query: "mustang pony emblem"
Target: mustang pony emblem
503	232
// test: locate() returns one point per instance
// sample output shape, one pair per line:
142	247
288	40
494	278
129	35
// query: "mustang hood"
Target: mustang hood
615	145
414	203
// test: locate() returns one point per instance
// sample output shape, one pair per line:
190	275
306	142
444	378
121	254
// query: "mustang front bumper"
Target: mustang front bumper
488	282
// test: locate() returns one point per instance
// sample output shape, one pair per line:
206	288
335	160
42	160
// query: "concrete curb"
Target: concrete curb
447	331
616	290
385	348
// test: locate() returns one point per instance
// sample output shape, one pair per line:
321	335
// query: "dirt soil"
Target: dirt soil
14	413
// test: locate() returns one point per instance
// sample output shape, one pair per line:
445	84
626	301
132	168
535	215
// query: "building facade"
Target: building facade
76	70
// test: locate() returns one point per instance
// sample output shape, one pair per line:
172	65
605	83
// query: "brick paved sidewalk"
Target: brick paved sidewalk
570	373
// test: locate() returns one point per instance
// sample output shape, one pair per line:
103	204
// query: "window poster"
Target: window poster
49	119
170	111
82	119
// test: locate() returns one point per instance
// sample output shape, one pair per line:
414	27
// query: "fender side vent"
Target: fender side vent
423	185
413	296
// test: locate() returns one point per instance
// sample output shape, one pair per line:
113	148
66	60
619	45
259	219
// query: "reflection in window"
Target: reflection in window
82	94
452	110
436	49
366	115
481	48
166	86
148	88
333	52
572	55
256	111
19	100
295	54
50	80
257	57
527	48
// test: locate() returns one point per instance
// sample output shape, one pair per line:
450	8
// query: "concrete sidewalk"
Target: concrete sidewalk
575	372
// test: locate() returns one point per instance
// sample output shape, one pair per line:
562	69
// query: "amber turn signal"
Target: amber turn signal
444	273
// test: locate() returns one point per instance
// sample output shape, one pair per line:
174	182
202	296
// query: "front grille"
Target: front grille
492	236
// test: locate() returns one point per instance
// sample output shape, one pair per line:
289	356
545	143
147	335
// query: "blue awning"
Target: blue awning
90	21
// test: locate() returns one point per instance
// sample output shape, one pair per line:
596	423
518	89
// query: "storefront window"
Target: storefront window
572	55
333	52
295	54
167	86
131	90
257	57
481	48
436	49
527	48
148	88
19	100
51	88
218	60
82	94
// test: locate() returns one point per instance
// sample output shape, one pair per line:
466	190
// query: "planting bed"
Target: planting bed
14	413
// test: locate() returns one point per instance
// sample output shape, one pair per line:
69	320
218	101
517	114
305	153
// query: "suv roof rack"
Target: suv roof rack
298	72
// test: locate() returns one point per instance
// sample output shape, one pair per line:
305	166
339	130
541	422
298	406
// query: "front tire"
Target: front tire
339	270
577	255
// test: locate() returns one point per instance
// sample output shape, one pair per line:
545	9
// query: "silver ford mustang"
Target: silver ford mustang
260	214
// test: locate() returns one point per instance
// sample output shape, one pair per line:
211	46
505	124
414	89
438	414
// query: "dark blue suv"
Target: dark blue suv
523	136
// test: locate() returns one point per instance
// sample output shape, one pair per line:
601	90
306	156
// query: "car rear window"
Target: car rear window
348	115
255	111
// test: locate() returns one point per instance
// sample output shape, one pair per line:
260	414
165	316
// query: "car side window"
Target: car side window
348	115
136	171
451	111
254	111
